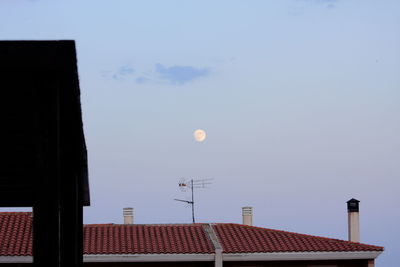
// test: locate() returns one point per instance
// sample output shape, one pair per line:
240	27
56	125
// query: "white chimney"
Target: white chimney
128	215
247	213
353	220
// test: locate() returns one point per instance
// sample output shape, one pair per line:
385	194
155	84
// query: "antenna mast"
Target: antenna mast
183	185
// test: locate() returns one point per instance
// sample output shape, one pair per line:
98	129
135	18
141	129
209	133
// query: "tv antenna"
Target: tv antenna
191	185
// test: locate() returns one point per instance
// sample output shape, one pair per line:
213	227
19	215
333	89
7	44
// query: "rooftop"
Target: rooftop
16	239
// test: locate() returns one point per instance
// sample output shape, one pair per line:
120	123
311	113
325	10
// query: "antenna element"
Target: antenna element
192	184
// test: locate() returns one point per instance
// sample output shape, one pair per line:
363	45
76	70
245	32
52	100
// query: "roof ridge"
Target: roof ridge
145	224
212	236
99	224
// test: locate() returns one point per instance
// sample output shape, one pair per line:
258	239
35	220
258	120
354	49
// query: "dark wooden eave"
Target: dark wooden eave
41	121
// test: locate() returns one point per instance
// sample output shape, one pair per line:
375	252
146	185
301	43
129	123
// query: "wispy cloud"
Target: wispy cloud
301	6
175	75
180	74
326	3
319	2
142	79
125	70
120	74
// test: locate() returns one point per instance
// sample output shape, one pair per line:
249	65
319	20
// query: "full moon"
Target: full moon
199	135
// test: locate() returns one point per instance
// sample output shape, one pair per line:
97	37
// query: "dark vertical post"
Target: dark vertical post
46	235
71	190
46	213
71	224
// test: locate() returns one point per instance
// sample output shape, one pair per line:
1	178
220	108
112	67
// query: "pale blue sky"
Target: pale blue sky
300	100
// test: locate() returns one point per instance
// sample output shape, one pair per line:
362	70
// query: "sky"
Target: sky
300	100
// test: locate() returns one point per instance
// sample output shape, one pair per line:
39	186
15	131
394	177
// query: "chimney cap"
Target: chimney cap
247	210
353	205
128	211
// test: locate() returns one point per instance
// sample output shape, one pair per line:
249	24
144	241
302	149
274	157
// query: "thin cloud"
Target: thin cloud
180	74
160	74
141	80
125	70
120	74
301	6
327	3
323	2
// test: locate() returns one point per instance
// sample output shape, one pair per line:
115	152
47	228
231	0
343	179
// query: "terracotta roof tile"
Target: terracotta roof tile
237	238
16	239
146	239
15	234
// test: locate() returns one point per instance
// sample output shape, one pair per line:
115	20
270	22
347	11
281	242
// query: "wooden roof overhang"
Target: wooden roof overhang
42	138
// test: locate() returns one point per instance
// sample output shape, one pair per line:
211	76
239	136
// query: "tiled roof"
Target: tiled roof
237	238
146	239
15	234
16	239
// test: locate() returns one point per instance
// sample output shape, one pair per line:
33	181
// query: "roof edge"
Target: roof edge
147	257
16	259
273	256
289	256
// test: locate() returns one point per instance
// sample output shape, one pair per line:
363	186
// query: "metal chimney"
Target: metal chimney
247	213
128	215
353	220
